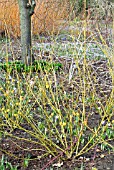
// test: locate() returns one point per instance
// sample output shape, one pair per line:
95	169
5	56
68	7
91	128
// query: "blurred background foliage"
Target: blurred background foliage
50	15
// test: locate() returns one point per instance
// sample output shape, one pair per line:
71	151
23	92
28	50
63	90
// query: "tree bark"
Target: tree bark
26	8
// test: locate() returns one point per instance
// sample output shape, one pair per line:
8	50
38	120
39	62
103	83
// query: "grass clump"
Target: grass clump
4	164
36	66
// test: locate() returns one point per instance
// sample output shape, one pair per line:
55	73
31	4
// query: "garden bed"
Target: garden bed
81	88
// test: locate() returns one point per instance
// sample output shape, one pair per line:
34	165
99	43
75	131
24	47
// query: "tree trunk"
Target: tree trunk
26	8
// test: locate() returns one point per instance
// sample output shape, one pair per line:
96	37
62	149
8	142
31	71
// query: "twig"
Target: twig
59	155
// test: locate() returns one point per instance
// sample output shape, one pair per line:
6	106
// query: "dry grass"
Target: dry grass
47	18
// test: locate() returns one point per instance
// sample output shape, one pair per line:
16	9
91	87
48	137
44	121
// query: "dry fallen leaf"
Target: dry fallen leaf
102	156
58	164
